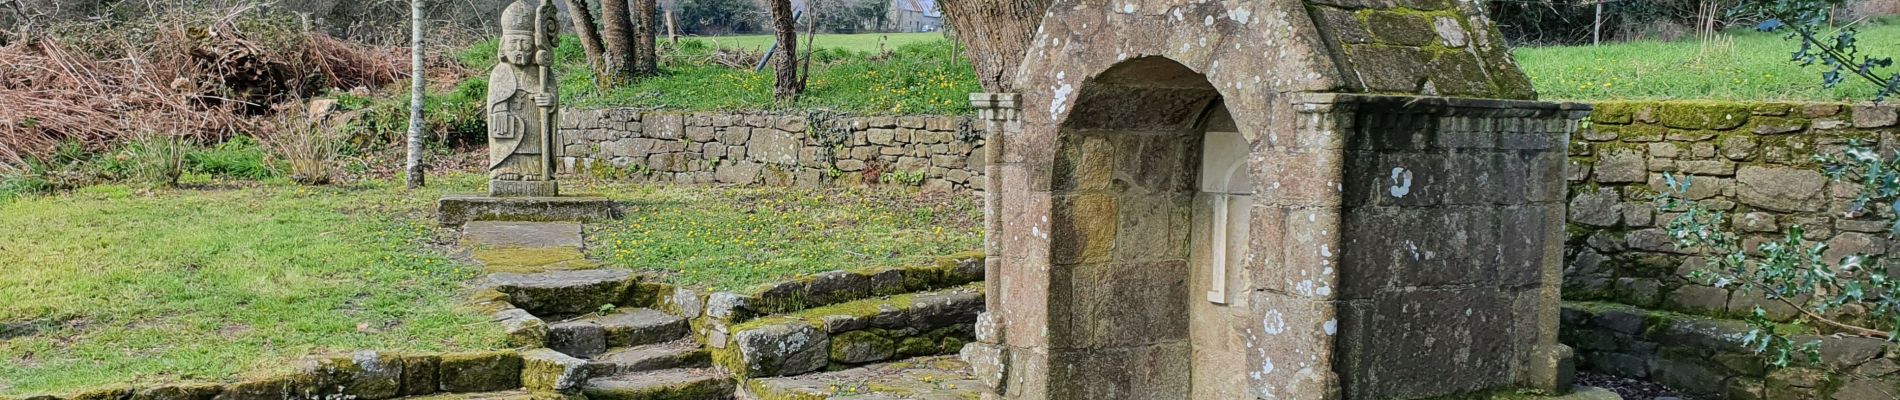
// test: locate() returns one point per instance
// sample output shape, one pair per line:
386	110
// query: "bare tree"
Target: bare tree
617	32
589	34
418	79
995	35
785	63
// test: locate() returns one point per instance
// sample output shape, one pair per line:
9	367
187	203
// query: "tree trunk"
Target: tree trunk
785	61
672	27
417	79
590	38
995	35
646	60
617	34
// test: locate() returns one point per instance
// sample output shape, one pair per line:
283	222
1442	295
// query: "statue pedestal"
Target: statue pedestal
500	188
456	210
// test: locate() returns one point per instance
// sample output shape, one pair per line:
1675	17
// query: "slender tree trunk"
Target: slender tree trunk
996	34
646	59
672	26
417	78
785	62
589	33
617	34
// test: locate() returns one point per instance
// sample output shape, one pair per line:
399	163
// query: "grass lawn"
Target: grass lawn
112	286
1752	66
732	238
866	42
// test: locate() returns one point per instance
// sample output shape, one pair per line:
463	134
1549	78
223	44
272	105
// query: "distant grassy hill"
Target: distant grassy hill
1744	66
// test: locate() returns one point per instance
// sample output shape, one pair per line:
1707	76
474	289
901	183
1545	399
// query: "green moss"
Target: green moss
532	259
1703	114
874	341
1400	28
1613	112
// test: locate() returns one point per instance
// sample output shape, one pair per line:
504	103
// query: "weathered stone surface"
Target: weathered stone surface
1621	166
200	391
858	347
925	378
457	210
669	384
1599	208
522	328
563	292
781	350
551	371
1780	188
480	372
1870	116
684	353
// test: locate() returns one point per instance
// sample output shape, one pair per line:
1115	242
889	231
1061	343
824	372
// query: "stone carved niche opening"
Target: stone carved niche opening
1153	173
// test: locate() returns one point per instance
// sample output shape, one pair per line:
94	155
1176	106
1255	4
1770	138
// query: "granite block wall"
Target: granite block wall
810	150
1634	311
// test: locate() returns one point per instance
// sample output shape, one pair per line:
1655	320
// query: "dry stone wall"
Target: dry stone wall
1635	311
936	152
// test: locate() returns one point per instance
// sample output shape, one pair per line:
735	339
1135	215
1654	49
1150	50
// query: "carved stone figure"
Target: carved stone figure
521	103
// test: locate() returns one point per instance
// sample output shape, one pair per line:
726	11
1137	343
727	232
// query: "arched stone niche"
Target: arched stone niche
1272	200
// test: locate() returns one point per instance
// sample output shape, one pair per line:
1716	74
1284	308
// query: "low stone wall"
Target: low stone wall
1753	161
936	152
1707	356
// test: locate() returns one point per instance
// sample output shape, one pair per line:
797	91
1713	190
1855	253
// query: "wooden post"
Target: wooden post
1596	29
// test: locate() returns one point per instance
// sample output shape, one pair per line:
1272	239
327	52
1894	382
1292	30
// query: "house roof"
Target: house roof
928	7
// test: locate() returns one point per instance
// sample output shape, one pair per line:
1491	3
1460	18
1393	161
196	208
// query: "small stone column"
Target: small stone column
988	358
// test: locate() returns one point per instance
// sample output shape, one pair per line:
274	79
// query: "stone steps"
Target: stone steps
683	353
506	395
851	333
924	378
591	336
671	384
557	293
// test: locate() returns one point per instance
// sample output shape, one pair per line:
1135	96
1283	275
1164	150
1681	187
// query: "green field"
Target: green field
868	42
112	285
733	238
1745	66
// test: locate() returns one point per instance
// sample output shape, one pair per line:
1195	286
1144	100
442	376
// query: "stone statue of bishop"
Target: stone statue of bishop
522	101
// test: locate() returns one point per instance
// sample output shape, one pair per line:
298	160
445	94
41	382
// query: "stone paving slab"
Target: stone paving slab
523	234
926	378
526	247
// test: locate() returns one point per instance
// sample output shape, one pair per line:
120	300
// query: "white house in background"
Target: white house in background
916	16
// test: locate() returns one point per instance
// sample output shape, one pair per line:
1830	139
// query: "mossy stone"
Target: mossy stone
187	391
1613	112
103	394
858	347
1406	29
419	372
480	372
1703	115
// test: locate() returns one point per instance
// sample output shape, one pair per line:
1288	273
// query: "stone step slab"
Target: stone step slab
556	293
505	395
857	332
593	335
672	384
683	353
927	378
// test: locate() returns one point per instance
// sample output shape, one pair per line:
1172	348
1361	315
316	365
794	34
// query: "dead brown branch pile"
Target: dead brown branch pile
200	78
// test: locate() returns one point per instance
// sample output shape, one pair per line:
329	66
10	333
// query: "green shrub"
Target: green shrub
238	158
